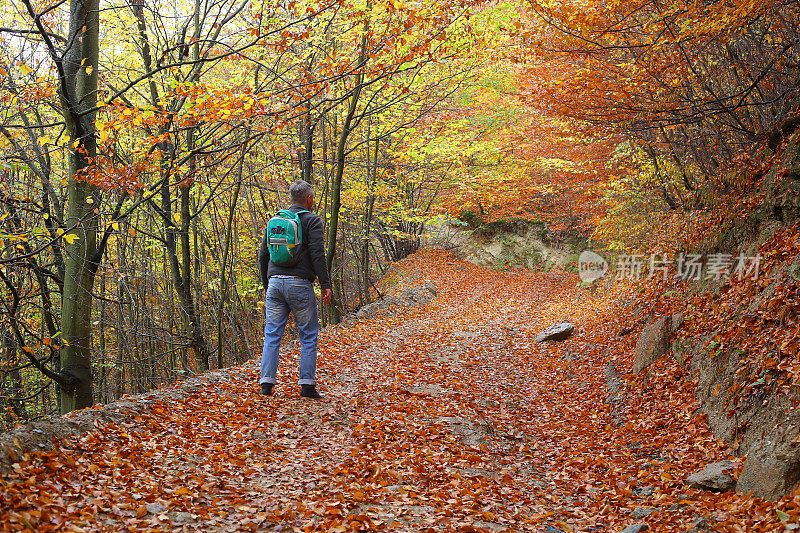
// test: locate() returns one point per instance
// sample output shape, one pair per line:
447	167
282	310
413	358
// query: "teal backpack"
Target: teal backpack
285	236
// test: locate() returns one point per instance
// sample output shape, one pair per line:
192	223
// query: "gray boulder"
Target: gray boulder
641	512
635	528
182	517
770	471
155	508
556	332
653	342
713	477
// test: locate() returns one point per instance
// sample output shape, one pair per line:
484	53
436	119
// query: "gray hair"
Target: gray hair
300	190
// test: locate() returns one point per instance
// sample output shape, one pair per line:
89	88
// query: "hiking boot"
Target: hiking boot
266	389
309	391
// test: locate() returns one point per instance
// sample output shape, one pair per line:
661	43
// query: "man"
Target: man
291	289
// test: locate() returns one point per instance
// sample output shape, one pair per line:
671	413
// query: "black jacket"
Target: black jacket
312	253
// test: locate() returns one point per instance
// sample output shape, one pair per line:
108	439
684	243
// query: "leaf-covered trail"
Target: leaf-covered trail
444	416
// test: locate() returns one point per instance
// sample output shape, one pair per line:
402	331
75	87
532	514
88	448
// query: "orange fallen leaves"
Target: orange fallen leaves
481	429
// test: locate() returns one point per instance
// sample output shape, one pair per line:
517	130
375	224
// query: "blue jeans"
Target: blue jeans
293	295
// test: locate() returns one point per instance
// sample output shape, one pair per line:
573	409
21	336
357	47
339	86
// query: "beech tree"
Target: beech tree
75	60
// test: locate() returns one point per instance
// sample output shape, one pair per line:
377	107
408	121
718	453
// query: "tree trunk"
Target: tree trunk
78	92
100	392
15	376
181	276
371	176
306	157
223	286
336	186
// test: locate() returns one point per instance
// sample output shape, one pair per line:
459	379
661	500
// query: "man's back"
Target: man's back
311	263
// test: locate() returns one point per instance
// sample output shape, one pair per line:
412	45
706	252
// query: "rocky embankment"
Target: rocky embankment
742	341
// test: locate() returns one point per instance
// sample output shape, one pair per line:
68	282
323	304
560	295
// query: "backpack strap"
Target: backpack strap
302	239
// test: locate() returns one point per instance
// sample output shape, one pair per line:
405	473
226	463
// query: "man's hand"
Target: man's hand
326	295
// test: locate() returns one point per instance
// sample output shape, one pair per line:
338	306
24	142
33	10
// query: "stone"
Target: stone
644	491
431	287
155	508
713	477
556	332
770	471
794	269
653	342
635	528
641	512
182	517
569	356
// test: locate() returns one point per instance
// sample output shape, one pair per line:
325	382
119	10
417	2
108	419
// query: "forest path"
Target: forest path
445	416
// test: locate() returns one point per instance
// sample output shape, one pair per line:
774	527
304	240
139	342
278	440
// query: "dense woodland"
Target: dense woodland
144	145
